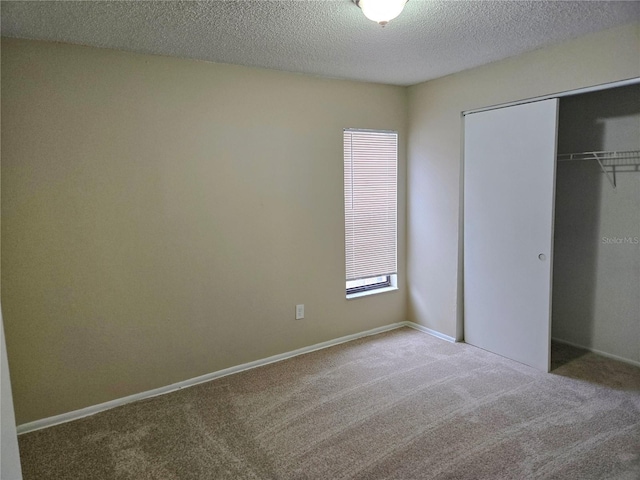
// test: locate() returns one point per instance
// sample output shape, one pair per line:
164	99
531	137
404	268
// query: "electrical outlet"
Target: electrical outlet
299	312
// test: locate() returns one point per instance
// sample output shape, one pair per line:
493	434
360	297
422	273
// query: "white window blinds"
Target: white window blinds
370	202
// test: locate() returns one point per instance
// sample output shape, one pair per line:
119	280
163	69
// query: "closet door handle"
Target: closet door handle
542	257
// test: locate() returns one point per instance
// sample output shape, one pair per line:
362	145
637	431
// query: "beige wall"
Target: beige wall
162	217
434	152
9	455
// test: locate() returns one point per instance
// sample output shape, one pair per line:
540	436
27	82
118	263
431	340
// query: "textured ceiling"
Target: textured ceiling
331	38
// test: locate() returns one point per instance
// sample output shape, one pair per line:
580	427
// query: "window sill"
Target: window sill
351	296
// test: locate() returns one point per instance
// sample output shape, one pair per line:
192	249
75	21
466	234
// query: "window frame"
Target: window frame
390	280
369	286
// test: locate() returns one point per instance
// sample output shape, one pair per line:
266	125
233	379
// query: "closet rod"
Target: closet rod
600	157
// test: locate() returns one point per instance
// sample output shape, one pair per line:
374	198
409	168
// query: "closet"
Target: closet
596	268
552	226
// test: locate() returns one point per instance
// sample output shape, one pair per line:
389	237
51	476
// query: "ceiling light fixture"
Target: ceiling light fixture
381	11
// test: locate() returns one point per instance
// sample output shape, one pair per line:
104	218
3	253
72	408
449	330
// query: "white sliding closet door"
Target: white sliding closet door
509	187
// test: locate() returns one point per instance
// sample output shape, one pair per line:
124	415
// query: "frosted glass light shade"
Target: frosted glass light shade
381	11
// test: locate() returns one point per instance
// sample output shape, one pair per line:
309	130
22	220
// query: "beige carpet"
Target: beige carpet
400	405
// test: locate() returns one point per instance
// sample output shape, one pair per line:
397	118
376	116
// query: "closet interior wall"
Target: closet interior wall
596	270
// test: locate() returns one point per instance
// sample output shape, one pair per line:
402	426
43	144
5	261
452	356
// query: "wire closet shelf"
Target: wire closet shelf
607	160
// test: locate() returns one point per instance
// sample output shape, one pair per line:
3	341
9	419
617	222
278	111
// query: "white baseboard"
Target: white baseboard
598	352
434	333
92	410
101	407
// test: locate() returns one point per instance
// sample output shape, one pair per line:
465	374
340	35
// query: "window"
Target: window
370	209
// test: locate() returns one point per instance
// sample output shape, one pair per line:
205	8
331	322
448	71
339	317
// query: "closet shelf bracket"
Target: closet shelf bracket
605	160
612	180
